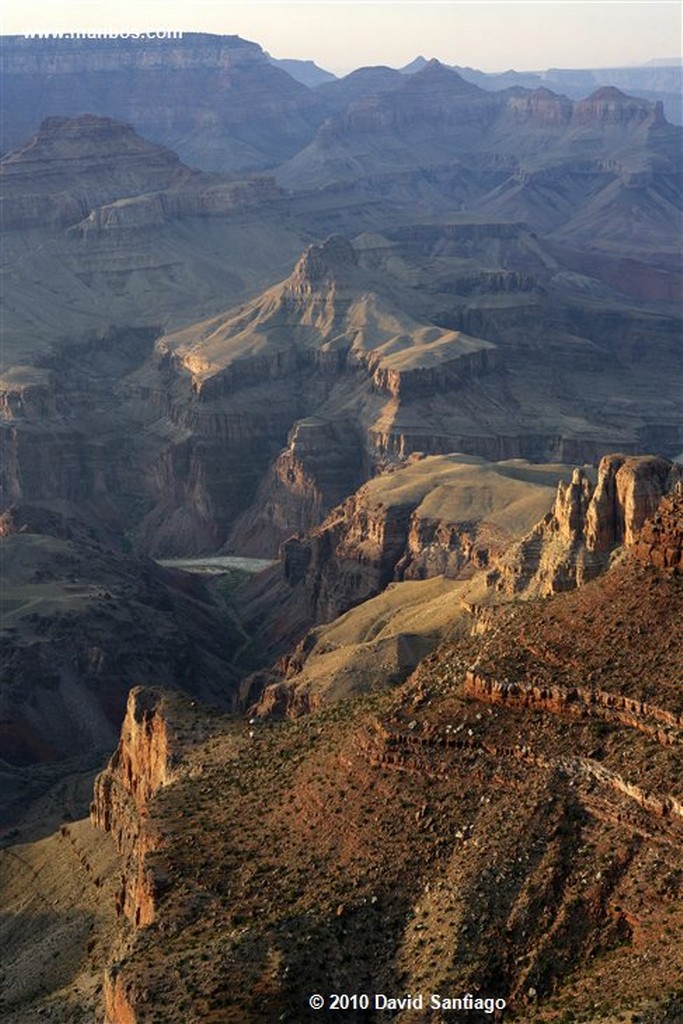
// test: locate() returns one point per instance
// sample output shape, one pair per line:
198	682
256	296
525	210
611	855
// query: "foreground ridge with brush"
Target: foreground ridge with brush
508	822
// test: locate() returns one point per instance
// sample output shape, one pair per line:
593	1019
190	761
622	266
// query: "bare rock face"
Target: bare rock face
540	106
534	770
609	105
83	623
45	181
627	493
319	263
423	339
26	393
441	515
139	768
321	464
573	544
661	539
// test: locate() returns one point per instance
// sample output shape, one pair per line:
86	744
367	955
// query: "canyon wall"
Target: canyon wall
573	543
438	515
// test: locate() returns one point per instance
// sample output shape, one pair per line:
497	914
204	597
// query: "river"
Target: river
216	564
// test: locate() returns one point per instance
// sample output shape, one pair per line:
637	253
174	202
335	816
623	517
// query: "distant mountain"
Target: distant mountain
359	84
656	81
365	343
415	65
435	139
217	100
92	202
505	246
305	71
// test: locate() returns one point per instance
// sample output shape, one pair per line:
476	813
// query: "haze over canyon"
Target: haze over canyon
341	535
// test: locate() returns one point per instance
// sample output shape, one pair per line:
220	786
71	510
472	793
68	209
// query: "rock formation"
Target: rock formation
660	541
529	789
573	544
196	362
96	174
275	410
435	517
445	523
449	514
140	767
217	99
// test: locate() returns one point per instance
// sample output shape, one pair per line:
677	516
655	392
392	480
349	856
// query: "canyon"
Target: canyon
393	807
479	804
465	525
412	338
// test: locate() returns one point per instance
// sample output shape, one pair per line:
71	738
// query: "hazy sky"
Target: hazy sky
343	34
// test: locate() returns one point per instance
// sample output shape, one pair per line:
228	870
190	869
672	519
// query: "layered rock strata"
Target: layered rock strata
442	514
93	174
573	543
514	795
217	98
448	516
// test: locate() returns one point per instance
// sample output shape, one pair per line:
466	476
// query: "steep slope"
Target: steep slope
519	129
359	84
373	341
343	366
81	624
201	424
453	521
328	306
442	515
242	428
322	342
508	823
58	926
428	120
601	172
74	166
649	82
305	71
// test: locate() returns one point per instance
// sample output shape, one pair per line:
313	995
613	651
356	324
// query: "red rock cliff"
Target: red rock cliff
138	769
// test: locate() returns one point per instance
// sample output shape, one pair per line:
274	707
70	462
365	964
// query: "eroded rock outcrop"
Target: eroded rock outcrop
609	105
228	107
661	538
323	462
627	493
589	521
531	803
437	516
26	393
578	701
142	764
